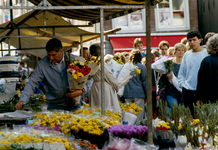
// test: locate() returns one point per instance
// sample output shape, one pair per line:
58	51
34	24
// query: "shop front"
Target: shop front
124	42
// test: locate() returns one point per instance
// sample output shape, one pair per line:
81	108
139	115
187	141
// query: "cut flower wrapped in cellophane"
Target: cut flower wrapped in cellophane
162	129
94	63
115	66
128	71
130	112
165	65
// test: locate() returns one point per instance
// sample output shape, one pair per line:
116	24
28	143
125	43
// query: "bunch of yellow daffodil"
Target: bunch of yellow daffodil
87	120
131	107
32	136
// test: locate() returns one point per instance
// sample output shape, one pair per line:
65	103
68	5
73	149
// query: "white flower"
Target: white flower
182	140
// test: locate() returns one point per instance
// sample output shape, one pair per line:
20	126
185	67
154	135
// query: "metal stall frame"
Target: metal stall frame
45	5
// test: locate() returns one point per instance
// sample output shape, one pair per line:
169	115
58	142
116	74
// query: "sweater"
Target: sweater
189	69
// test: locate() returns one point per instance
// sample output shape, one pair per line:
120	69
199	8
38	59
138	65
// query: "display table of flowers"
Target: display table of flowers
85	123
40	138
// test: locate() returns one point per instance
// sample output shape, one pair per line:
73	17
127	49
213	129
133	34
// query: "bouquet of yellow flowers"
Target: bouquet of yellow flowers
131	107
85	123
128	71
130	113
162	129
114	64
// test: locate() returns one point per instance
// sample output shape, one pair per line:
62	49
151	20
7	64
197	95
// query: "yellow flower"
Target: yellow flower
137	71
81	63
79	74
180	127
119	61
74	76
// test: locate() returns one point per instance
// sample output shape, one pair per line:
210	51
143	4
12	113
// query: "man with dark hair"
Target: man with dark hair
52	70
110	82
95	49
189	68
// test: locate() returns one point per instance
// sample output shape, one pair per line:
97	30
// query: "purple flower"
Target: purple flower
128	131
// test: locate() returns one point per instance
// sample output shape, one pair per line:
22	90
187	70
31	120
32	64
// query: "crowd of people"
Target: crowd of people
195	67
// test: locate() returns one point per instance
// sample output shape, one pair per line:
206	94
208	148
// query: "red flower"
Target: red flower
161	128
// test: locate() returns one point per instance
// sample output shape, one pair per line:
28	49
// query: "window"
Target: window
134	22
171	15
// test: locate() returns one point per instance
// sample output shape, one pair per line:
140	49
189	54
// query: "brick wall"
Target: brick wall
193	13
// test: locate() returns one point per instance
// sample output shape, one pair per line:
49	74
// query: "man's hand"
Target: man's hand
169	76
19	105
75	93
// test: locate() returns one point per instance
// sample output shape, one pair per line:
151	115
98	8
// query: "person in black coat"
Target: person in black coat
207	86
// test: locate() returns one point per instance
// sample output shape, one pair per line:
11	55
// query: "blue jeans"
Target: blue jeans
170	101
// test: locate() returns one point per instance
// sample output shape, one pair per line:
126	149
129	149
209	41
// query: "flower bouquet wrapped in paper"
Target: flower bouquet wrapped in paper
115	66
128	71
164	66
130	112
78	73
159	66
94	63
162	129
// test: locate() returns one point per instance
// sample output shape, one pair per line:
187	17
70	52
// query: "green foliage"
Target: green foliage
9	106
169	65
190	132
207	114
175	114
163	110
142	123
35	103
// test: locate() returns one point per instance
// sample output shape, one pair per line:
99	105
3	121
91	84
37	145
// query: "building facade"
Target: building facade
170	21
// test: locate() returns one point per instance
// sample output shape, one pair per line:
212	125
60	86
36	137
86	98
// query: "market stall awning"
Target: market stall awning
35	45
91	15
123	43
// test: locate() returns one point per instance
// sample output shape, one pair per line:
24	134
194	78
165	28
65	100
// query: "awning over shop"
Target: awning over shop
91	15
123	43
36	45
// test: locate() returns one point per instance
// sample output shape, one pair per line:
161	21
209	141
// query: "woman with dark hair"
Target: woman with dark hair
111	85
135	89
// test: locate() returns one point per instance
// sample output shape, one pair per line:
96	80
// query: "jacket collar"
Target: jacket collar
55	67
